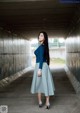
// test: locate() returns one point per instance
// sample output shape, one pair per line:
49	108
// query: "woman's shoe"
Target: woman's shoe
48	106
40	104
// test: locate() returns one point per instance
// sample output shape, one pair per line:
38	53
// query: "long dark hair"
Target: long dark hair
46	46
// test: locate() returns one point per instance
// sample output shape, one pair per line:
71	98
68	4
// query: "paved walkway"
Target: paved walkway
18	98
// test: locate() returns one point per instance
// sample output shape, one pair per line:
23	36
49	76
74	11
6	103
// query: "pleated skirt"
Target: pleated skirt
43	84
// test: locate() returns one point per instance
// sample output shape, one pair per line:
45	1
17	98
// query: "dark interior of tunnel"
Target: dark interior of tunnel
28	17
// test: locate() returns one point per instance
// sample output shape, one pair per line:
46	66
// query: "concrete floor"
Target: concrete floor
18	98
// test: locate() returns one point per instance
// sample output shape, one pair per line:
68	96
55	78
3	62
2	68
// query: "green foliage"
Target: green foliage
57	60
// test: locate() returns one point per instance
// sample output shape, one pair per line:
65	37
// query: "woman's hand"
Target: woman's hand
39	72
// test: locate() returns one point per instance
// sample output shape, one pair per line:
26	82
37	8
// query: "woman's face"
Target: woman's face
41	37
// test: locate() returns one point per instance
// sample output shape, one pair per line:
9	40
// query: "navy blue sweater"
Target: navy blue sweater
40	56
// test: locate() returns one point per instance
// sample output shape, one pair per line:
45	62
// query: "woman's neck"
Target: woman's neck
41	42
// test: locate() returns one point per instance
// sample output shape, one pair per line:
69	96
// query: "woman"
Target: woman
42	78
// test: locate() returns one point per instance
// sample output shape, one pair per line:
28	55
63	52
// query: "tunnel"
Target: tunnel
21	21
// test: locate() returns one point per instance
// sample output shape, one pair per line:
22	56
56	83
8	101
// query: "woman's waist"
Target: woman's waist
39	62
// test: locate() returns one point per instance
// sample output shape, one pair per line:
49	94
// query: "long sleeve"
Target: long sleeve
41	57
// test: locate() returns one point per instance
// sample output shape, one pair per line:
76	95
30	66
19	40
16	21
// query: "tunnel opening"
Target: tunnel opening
57	52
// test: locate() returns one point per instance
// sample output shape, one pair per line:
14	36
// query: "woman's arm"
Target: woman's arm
41	56
41	53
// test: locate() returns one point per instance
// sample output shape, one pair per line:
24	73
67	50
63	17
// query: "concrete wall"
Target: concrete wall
73	57
57	53
15	54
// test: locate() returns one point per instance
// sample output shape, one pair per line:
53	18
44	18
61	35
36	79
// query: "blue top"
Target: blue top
40	57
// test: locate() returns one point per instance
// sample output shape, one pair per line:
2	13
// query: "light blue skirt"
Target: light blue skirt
43	84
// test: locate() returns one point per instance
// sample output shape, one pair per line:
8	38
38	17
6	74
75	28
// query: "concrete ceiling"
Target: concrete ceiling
28	17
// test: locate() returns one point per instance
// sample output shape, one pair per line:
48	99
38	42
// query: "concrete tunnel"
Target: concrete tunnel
21	20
